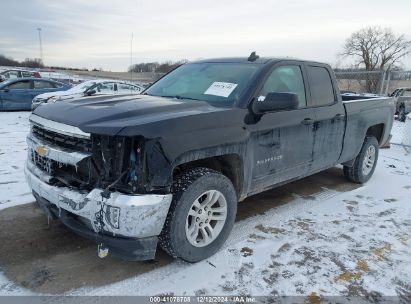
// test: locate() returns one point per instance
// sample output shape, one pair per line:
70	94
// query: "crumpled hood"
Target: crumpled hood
111	114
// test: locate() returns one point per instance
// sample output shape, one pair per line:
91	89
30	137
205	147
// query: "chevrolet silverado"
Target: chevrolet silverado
168	167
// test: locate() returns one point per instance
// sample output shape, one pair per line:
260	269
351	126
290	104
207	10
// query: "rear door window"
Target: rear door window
126	88
322	90
407	93
26	74
106	88
43	84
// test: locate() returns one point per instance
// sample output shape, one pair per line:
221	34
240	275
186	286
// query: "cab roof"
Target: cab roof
260	60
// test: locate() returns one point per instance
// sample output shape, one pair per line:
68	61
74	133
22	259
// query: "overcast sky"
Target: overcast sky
96	33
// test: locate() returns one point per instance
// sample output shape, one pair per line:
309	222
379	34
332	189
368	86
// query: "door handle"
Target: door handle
339	116
307	121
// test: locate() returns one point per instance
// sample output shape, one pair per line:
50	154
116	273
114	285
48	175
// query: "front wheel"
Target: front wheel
365	162
201	215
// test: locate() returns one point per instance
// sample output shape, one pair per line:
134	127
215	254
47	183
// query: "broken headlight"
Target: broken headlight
113	216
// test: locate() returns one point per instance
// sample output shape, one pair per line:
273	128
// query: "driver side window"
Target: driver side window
19	85
286	79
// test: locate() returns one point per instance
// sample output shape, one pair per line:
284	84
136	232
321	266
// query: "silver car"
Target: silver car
89	88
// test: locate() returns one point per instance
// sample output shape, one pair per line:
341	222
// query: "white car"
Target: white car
89	88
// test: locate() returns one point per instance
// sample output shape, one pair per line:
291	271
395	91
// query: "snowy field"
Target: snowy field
355	242
14	127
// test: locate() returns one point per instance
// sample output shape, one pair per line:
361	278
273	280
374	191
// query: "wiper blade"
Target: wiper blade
176	97
182	97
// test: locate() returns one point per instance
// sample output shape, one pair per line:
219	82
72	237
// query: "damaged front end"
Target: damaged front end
95	185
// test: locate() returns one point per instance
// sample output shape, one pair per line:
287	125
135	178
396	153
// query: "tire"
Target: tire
192	187
363	168
401	113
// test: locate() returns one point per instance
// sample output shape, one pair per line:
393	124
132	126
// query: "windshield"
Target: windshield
82	86
6	83
214	82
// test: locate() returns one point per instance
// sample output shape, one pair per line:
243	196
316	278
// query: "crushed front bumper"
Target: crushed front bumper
130	234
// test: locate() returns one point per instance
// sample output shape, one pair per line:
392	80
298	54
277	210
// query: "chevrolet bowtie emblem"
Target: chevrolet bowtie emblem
41	150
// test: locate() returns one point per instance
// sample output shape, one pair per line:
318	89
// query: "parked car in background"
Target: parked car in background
17	73
402	98
69	79
89	88
17	94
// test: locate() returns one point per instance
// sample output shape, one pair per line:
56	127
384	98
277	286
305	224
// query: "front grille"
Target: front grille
61	173
71	175
102	161
62	140
42	163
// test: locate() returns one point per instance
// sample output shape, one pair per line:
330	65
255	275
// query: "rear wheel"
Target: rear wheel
365	162
201	215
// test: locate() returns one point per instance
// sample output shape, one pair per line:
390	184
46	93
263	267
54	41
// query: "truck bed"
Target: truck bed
360	115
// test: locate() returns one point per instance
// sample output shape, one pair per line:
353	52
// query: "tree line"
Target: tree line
34	63
27	63
155	67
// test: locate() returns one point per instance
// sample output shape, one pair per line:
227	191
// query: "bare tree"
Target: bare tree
374	48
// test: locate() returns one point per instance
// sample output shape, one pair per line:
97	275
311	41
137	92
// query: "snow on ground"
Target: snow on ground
14	127
398	132
352	243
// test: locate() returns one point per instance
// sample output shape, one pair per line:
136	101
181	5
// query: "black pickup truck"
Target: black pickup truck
170	165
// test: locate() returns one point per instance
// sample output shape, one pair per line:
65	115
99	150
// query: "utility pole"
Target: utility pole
131	58
41	46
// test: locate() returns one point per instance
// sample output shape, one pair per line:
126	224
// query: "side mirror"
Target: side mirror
276	101
91	92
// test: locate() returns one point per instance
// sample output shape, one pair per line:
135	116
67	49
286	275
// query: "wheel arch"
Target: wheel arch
377	131
230	165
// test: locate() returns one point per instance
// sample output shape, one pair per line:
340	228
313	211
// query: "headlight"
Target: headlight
113	216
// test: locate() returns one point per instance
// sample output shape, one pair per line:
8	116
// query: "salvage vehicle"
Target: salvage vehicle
17	94
402	97
89	88
169	166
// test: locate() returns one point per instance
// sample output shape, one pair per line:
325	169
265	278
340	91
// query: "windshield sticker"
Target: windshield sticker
223	89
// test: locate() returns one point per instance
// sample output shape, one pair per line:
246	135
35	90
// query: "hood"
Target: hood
62	94
111	114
